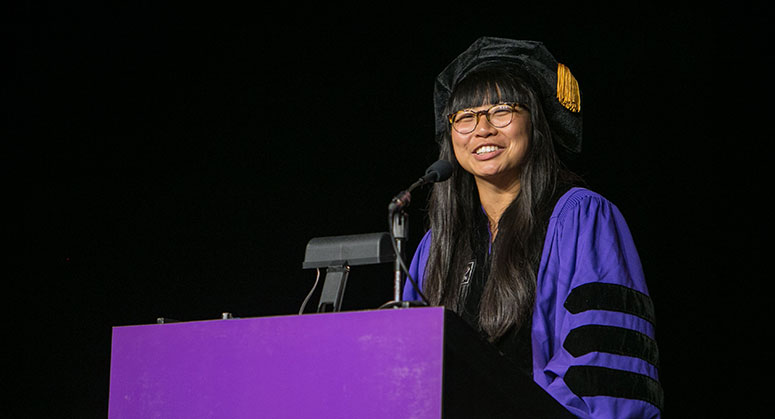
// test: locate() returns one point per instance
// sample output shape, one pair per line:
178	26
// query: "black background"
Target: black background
174	161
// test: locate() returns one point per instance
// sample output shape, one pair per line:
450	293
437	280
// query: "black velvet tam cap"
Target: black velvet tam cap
555	85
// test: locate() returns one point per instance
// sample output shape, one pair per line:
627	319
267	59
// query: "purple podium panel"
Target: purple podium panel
364	364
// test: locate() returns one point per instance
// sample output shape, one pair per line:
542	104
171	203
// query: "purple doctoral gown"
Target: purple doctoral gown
593	322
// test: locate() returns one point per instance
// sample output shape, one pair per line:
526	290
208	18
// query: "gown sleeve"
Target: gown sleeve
593	336
417	268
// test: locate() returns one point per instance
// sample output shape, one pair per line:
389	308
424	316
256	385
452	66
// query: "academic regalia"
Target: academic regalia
592	335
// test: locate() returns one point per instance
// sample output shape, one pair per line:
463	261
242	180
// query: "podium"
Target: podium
393	363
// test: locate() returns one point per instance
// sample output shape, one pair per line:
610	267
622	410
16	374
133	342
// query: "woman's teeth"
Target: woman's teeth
486	149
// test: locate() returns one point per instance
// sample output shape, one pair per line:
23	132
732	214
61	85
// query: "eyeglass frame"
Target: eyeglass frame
486	113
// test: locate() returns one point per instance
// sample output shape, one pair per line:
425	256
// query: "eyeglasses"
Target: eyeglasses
499	116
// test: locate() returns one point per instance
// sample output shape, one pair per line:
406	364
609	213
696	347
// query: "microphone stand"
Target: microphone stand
399	221
400	230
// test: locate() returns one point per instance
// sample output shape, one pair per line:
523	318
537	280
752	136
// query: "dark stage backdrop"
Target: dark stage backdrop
175	162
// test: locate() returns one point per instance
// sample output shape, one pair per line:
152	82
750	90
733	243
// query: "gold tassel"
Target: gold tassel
568	89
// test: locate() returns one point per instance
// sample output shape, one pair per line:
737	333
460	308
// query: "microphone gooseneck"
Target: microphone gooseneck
439	171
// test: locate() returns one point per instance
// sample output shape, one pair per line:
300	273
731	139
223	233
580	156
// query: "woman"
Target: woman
544	269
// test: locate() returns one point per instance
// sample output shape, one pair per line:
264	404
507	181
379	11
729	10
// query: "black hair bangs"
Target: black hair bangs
491	85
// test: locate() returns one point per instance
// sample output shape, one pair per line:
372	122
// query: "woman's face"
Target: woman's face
494	154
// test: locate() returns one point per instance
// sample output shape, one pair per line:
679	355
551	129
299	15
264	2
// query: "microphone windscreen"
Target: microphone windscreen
439	171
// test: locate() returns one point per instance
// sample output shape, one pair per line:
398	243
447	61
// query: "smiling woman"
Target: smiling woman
543	268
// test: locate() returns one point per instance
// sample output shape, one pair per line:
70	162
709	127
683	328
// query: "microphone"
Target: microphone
439	171
397	220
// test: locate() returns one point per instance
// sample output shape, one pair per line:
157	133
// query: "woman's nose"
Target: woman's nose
483	126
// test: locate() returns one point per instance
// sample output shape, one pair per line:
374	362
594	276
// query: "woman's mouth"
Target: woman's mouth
487	151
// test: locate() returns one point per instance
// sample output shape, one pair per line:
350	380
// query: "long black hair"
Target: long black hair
454	210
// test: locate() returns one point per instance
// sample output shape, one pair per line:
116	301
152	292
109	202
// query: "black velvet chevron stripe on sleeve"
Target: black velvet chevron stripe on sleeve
611	339
610	297
589	381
